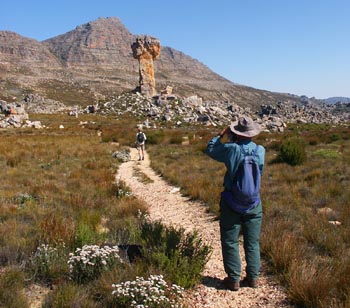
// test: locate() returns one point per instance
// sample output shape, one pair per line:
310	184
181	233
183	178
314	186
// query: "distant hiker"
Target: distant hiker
140	142
240	203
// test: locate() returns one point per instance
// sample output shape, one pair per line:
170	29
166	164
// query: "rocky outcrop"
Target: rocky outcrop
14	115
34	103
146	49
122	155
195	110
305	112
171	109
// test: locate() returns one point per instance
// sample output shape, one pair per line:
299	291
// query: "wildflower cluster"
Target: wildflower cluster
88	262
153	292
44	254
124	193
45	259
143	216
122	190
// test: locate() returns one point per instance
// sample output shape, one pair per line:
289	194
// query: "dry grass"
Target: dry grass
188	168
141	176
11	286
303	204
58	188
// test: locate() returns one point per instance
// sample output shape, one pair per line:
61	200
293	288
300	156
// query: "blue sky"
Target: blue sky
292	46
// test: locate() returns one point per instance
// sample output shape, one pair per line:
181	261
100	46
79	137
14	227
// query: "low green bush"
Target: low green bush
155	137
292	151
333	137
180	256
86	234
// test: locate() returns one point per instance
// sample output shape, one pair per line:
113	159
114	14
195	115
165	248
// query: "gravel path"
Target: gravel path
167	204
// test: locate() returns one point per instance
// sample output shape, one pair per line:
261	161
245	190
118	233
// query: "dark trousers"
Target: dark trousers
230	225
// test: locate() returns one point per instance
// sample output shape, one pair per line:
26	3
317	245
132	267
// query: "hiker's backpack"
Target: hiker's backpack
246	183
140	137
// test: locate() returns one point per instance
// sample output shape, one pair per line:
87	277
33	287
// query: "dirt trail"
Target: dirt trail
167	204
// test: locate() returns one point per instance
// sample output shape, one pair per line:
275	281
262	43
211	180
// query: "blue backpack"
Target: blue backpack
245	194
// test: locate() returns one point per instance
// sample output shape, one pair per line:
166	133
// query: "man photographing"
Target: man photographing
240	204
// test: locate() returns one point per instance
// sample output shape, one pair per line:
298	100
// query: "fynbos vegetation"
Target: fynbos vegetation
65	221
305	199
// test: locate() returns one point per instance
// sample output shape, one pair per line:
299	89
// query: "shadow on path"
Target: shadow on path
213	282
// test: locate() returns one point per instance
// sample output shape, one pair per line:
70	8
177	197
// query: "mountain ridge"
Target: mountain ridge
94	60
337	99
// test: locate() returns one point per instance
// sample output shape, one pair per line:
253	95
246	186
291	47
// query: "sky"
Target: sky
300	47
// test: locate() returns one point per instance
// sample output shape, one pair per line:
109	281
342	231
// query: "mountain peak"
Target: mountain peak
99	42
97	56
24	51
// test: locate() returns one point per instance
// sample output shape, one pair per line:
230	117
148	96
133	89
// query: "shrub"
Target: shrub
49	263
85	234
175	138
101	288
292	151
88	262
181	256
153	292
155	137
314	140
333	137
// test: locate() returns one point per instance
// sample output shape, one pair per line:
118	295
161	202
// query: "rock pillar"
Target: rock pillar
146	49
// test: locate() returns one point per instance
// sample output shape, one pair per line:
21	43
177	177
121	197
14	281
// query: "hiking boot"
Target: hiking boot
251	283
230	284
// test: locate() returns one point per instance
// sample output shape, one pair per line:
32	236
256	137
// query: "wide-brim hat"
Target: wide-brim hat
245	127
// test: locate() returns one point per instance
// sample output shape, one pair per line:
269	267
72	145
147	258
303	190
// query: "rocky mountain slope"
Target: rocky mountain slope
337	99
94	61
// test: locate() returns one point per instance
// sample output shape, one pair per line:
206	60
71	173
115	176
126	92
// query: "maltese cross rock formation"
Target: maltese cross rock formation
146	49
